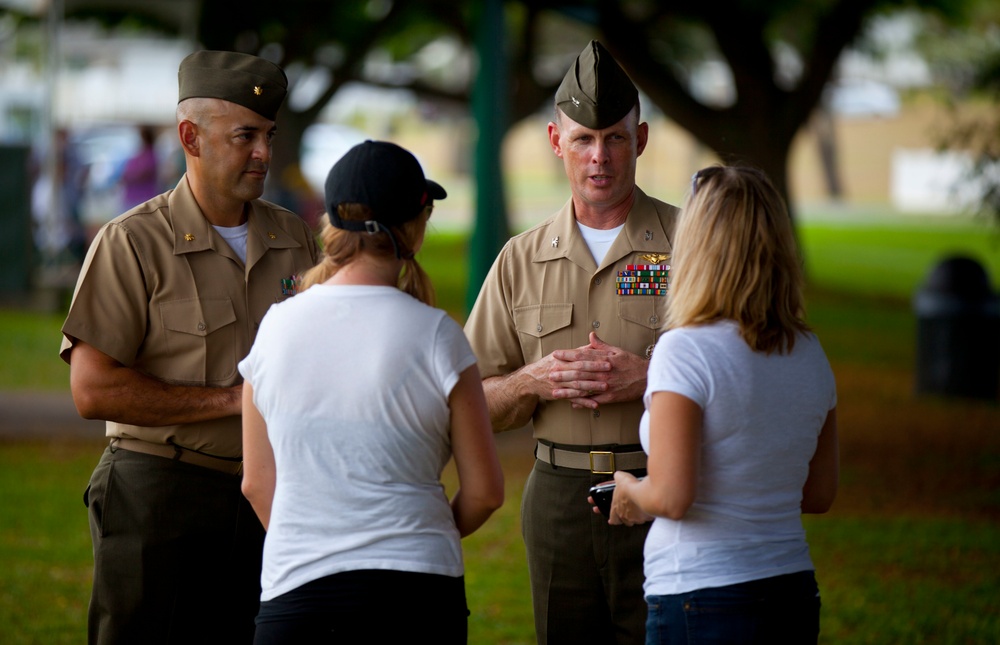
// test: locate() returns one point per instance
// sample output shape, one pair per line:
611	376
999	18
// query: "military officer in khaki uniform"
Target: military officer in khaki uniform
562	329
168	302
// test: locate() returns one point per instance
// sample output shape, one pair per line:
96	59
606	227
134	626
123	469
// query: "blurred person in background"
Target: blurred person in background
357	394
140	177
740	427
56	196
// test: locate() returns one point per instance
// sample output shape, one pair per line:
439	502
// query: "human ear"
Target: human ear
554	139
188	133
641	137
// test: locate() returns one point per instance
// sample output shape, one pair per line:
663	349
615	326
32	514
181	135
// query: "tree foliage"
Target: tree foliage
778	55
965	59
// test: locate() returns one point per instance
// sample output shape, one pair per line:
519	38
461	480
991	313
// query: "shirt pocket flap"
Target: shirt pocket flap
642	310
197	316
540	320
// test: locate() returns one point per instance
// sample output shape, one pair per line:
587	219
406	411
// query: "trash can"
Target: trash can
15	222
958	332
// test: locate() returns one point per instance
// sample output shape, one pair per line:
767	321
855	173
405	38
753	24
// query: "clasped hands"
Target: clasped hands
591	375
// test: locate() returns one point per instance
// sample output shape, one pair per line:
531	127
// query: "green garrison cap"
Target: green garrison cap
596	92
246	80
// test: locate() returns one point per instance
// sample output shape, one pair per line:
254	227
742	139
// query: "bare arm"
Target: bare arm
105	389
670	487
824	469
480	478
510	404
258	459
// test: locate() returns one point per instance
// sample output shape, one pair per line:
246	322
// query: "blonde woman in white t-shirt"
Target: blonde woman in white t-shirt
740	427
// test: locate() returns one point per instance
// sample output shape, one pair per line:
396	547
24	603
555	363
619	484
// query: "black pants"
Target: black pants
177	553
586	576
368	606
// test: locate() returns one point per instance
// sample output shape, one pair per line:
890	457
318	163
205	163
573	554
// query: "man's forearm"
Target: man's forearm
145	401
511	405
104	389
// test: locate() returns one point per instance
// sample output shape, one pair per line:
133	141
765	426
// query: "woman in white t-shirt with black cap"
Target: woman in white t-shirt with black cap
740	427
357	393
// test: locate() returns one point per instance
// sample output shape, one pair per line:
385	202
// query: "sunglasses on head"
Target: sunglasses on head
703	174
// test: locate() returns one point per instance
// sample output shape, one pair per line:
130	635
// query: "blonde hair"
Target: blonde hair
341	247
734	257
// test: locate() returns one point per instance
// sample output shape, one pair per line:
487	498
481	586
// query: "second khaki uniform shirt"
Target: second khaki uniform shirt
545	292
162	293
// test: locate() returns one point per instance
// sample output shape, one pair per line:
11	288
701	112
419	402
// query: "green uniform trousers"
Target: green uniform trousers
177	553
586	576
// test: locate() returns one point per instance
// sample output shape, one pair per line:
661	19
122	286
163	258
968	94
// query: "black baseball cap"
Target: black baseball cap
384	177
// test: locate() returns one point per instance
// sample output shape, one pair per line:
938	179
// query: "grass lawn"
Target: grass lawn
909	554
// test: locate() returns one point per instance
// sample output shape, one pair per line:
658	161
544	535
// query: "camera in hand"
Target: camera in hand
602	494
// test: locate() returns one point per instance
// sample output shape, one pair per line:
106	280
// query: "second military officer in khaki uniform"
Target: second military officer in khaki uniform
168	302
562	330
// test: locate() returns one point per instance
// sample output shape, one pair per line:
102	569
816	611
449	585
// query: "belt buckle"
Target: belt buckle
602	453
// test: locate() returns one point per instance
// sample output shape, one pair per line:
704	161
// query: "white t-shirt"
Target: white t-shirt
599	240
353	382
236	238
762	418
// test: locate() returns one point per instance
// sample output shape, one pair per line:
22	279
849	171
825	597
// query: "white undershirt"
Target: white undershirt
236	237
599	240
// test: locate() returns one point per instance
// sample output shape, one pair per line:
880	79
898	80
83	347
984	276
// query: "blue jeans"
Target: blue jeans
782	609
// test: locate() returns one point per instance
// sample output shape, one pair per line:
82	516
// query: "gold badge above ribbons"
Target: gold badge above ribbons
656	258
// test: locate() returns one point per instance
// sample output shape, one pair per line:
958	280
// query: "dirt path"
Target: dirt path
43	415
52	415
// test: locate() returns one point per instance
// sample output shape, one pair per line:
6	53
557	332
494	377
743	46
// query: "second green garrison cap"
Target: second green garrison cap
246	80
596	92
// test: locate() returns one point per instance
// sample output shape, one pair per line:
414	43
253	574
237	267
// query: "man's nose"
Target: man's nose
262	149
600	152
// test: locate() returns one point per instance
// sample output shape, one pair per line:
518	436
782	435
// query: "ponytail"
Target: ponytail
341	247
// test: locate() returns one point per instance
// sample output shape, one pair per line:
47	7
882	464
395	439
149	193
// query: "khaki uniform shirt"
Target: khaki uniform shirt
545	292
161	292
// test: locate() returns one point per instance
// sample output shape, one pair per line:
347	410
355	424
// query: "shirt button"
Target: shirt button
539	328
201	326
653	320
596	324
597	413
597	281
